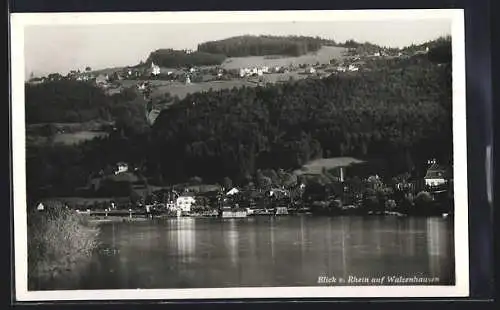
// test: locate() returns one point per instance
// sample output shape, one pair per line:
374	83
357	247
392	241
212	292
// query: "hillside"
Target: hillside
69	101
399	112
323	56
248	45
65	101
174	58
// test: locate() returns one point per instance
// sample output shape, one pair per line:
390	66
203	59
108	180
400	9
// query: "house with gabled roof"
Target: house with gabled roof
436	175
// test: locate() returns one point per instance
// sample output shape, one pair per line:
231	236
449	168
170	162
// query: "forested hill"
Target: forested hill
174	58
248	45
68	101
399	113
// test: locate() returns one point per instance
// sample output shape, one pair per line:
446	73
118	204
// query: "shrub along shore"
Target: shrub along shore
58	240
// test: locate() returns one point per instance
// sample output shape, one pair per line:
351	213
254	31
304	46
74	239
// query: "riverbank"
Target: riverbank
58	240
262	251
126	219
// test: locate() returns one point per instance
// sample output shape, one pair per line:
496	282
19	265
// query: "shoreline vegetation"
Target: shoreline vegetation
59	239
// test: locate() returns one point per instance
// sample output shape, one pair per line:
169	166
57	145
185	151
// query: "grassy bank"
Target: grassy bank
58	240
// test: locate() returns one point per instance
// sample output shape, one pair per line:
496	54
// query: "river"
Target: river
264	251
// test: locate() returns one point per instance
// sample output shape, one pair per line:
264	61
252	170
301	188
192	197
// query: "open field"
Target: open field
182	90
316	166
77	137
69	127
65	138
323	56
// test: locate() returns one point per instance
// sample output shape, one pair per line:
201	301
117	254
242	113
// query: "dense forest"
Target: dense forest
69	101
248	45
400	113
174	58
360	48
440	48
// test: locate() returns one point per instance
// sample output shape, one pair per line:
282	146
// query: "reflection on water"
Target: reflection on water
186	238
231	237
264	251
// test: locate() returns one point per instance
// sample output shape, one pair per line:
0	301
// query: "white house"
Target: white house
341	69
233	191
121	167
353	68
265	69
436	175
101	79
40	207
278	192
171	206
155	69
188	80
184	202
259	72
311	70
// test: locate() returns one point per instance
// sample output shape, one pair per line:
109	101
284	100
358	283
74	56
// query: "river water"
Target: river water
264	251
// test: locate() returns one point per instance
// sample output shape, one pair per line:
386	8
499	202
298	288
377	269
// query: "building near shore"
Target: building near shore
185	202
232	191
121	167
436	175
239	213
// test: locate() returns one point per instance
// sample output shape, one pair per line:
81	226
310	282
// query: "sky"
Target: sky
61	48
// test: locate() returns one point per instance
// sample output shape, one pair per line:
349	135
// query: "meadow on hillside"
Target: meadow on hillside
323	56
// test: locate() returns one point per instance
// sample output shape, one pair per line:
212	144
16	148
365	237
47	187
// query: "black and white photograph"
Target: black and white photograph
216	155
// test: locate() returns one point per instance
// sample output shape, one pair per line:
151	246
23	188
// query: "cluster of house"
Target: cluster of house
255	71
75	75
389	53
183	204
235	202
350	68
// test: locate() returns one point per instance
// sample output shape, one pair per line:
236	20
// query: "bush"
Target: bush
58	239
424	203
423	199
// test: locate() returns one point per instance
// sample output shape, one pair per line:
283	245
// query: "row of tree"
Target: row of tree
171	58
249	45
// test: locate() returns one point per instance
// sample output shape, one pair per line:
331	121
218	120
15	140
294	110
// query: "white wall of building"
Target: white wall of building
184	203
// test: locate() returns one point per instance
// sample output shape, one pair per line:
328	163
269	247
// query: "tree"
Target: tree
263	182
88	69
227	183
196	180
